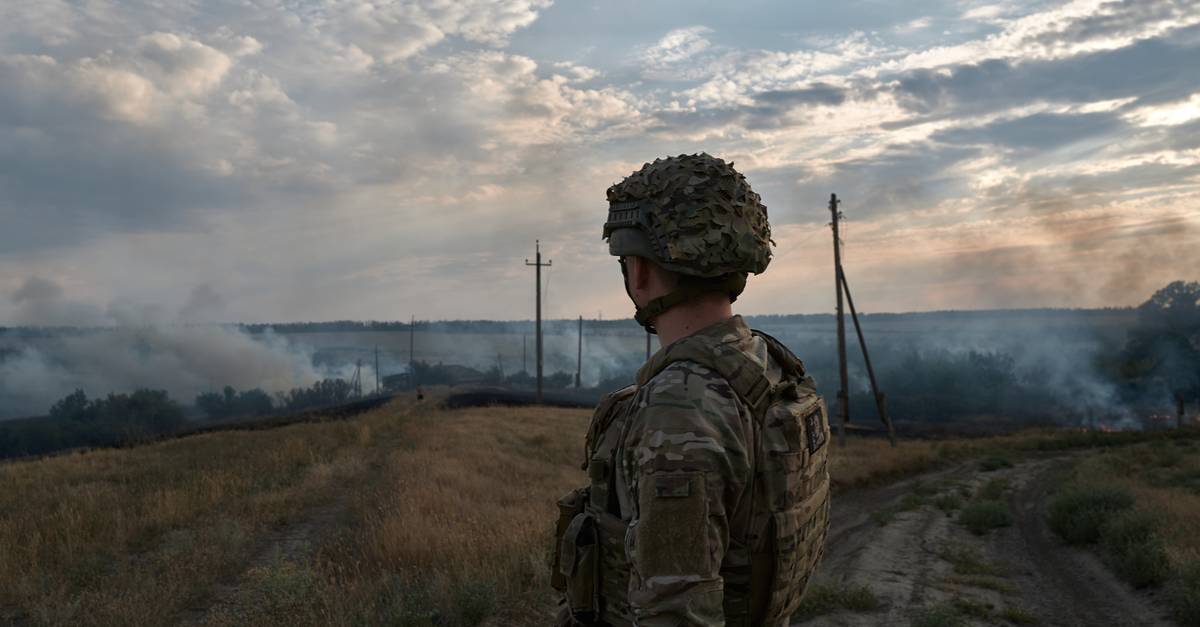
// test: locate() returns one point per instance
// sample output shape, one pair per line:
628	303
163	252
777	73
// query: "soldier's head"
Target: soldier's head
686	229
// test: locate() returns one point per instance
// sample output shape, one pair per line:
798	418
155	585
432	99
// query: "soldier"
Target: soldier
708	501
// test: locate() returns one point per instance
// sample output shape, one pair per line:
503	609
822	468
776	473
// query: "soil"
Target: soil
925	568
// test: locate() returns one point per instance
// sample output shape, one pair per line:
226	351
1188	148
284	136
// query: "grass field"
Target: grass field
406	515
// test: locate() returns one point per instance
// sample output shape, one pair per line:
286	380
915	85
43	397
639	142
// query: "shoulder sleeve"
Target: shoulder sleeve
687	459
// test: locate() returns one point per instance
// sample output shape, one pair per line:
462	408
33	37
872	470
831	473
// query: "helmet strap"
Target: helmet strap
689	288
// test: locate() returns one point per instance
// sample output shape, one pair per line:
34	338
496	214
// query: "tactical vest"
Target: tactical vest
781	527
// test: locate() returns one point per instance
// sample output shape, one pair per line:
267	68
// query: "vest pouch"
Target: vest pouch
569	507
799	541
579	566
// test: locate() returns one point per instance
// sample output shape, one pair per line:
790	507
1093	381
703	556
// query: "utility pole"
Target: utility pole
647	346
356	381
538	265
843	394
880	398
412	364
376	368
579	358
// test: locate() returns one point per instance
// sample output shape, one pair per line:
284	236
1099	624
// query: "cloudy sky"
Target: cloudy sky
327	159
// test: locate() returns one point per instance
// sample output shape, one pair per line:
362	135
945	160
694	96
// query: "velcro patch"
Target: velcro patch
671	532
672	487
814	425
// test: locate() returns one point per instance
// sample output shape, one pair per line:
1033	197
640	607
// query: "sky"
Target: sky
262	160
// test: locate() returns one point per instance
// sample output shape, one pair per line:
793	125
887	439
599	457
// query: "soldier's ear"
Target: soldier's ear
640	273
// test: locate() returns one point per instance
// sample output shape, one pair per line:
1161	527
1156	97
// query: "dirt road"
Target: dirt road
903	543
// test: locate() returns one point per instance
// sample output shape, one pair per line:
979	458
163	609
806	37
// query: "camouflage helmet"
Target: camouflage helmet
692	214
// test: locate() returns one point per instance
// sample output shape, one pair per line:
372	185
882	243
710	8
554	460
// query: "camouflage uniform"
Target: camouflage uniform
708	501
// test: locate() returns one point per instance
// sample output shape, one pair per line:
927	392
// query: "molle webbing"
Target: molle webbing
747	377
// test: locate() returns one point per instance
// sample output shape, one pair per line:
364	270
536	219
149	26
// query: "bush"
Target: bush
1078	513
993	490
948	502
1183	594
822	599
1134	549
994	462
474	601
983	516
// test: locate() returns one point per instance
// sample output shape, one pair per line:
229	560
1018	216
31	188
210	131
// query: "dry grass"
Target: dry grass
444	517
1150	535
129	536
868	461
1164	480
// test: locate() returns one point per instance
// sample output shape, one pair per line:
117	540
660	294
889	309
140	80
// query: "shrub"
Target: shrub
1183	594
822	599
475	601
1078	513
993	490
1134	549
948	502
995	462
982	516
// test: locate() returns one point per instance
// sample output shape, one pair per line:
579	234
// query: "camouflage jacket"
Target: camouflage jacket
685	461
709	495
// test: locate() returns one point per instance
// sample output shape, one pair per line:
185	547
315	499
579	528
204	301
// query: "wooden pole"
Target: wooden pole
843	395
880	399
579	356
538	265
647	346
412	364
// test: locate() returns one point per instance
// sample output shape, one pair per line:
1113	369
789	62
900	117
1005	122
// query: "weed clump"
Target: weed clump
1078	513
968	561
821	599
1018	616
948	502
1183	594
940	615
993	490
475	601
994	462
909	503
1134	549
982	516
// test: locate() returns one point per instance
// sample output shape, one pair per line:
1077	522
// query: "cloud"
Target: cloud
368	159
1040	131
1152	70
676	46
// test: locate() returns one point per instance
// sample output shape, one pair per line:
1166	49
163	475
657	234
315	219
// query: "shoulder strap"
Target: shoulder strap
602	417
747	378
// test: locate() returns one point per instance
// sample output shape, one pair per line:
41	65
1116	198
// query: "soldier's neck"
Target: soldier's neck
687	318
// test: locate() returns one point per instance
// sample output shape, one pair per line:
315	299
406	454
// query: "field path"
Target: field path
921	564
236	600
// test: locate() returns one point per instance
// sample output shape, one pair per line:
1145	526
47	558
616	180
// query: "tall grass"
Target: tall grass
114	537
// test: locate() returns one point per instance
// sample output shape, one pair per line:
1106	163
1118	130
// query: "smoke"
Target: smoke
137	348
42	302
